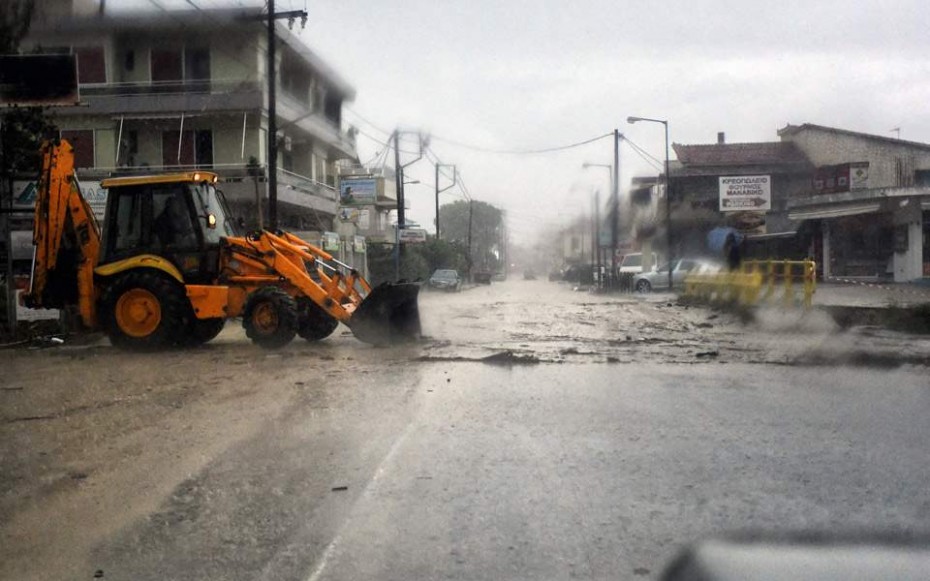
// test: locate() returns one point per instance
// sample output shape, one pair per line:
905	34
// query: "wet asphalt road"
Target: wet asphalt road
595	451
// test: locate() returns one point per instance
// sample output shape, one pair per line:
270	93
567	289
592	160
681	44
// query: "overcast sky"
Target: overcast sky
507	74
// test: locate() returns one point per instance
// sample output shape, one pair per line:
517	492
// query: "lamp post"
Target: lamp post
668	194
610	171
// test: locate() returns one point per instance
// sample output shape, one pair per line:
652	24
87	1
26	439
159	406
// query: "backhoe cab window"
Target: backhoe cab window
172	227
128	221
207	204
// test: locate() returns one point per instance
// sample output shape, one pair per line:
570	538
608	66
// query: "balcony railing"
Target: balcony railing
191	86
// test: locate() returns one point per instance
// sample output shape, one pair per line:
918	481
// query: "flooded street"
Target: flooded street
536	432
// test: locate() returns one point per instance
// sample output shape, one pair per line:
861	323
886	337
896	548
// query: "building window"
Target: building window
129	148
83	143
196	148
167	65
91	62
203	148
197	64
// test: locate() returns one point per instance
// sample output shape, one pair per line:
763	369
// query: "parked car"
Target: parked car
579	273
529	274
636	263
445	279
657	279
481	277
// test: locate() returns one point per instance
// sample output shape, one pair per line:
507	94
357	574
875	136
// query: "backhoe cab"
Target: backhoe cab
168	268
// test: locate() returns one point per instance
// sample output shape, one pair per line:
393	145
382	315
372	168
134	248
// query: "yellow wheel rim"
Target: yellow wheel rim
138	313
265	317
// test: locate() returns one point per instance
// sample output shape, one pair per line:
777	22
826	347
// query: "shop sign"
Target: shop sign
331	242
358	192
358	244
413	235
739	193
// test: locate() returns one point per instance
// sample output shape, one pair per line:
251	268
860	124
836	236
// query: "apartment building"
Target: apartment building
176	90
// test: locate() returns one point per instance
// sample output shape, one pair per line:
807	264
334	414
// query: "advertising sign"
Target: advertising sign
331	242
859	175
349	214
413	235
738	193
25	195
358	191
358	244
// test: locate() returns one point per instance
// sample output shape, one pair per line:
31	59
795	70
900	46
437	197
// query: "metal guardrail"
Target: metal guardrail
788	282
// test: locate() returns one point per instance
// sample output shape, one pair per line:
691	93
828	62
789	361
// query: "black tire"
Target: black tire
314	323
200	331
643	286
144	310
270	317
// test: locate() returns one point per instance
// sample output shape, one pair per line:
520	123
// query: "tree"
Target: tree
21	133
486	227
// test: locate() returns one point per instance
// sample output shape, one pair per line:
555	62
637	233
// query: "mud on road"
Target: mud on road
92	439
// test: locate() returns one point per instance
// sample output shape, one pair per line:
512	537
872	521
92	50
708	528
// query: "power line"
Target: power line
370	124
520	151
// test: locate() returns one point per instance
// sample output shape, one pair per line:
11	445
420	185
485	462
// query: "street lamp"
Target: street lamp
668	193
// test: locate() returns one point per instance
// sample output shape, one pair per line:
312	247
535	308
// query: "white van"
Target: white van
637	262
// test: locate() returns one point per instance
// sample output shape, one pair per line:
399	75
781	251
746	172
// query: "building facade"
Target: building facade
176	90
868	199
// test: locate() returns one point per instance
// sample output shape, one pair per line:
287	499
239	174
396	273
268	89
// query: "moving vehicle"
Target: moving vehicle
657	279
445	279
168	268
636	263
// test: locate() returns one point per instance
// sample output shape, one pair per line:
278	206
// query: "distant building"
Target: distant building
868	200
859	204
696	185
172	90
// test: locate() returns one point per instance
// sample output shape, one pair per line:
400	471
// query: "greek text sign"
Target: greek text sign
739	193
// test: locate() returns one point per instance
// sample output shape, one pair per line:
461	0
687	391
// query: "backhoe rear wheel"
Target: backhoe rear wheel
270	317
314	323
144	310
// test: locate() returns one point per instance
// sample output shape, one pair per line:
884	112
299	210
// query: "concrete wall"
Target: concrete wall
908	265
832	148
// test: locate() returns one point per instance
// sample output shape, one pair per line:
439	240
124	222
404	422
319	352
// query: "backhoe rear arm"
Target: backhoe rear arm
66	238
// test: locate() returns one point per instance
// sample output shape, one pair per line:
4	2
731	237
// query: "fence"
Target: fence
785	282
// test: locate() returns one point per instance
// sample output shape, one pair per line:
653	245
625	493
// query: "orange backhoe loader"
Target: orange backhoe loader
168	268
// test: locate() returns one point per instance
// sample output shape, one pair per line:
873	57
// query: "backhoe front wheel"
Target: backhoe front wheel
270	317
314	323
144	310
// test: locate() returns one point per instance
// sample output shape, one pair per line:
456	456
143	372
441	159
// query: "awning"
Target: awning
834	211
772	236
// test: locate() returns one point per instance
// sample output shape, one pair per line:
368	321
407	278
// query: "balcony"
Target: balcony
168	97
237	183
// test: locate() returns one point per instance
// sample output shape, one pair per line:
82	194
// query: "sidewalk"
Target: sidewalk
870	295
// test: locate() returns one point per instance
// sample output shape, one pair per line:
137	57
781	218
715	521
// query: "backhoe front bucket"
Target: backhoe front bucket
389	314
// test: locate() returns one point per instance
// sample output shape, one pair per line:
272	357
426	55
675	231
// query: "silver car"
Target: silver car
657	279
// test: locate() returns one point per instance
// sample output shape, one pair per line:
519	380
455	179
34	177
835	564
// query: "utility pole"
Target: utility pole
615	210
399	183
272	109
597	236
471	212
455	177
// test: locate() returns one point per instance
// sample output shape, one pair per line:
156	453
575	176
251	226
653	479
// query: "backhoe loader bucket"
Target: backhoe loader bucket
389	314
